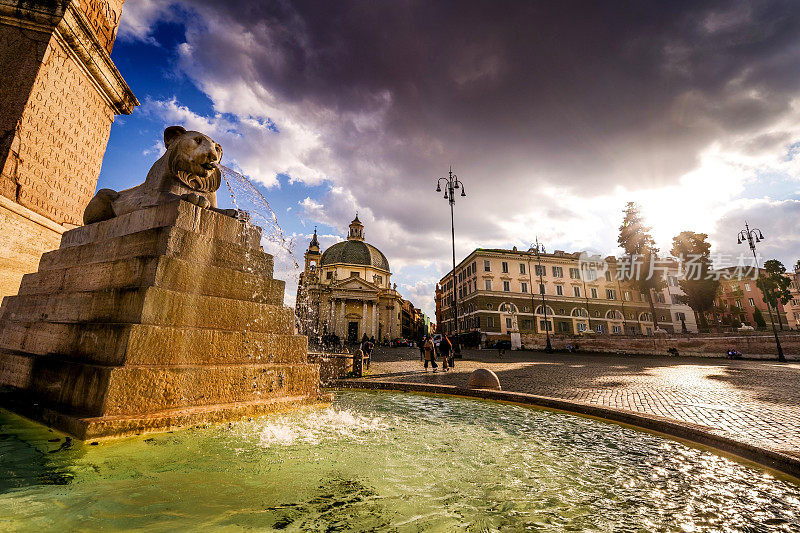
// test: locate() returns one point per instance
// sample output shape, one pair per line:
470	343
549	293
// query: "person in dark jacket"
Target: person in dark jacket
446	351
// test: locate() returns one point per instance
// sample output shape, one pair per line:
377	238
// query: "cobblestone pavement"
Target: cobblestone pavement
757	402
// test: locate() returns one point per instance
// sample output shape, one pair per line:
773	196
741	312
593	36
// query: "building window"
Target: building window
487	284
541	288
581	327
576	291
524	286
593	292
477	321
545	325
558	272
379	279
563	326
747	286
489	307
522	268
616	329
574	273
591	275
660	297
539	269
611	294
504	266
526	324
329	274
601	328
627	296
489	321
474	269
487	266
508	323
355	274
751	302
506	286
559	290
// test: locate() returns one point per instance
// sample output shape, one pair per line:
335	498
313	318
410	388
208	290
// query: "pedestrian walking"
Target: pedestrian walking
421	346
430	355
366	350
446	349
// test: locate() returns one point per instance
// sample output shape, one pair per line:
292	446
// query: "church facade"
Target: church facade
347	291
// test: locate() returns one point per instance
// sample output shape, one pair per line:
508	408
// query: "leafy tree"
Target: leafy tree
759	318
775	285
700	288
636	240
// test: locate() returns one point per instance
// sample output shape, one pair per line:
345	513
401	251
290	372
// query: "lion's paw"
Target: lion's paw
196	199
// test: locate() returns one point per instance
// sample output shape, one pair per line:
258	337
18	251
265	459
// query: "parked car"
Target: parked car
402	343
502	345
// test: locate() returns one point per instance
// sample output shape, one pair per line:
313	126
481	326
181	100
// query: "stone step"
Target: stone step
162	271
150	305
180	214
140	344
97	390
169	241
100	427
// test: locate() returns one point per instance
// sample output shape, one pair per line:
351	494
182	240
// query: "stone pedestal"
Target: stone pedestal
163	317
59	93
516	340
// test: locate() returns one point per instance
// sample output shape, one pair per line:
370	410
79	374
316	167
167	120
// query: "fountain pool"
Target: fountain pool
386	461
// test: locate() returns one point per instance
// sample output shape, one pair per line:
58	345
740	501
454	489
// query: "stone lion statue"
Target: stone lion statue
189	170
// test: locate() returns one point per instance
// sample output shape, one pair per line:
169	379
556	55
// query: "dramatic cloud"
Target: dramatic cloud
553	113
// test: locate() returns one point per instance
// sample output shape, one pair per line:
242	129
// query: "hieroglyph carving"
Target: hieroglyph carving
62	136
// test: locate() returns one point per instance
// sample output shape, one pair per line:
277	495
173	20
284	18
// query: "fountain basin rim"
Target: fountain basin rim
782	464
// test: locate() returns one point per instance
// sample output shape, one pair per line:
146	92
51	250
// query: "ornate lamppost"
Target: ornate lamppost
451	183
538	249
752	236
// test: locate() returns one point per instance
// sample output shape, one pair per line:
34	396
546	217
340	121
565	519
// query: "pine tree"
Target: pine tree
699	286
639	246
775	286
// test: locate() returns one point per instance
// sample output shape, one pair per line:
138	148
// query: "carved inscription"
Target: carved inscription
63	135
104	17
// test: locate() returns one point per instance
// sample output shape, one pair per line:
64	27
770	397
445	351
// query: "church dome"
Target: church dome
354	252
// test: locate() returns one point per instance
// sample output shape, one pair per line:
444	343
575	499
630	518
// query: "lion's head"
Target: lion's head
193	158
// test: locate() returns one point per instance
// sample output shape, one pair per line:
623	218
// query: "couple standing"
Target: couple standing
445	349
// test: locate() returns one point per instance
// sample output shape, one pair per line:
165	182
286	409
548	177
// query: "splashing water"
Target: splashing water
319	426
245	196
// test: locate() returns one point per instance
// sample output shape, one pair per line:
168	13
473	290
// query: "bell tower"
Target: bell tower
356	230
312	255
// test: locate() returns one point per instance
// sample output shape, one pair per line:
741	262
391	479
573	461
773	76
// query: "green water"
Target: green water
385	462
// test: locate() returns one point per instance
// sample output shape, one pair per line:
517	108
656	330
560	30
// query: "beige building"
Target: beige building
346	290
500	293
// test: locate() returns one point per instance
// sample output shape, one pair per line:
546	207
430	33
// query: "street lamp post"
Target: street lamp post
451	183
539	249
752	236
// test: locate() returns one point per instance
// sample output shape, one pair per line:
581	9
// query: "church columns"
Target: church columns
331	323
364	319
374	327
342	326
